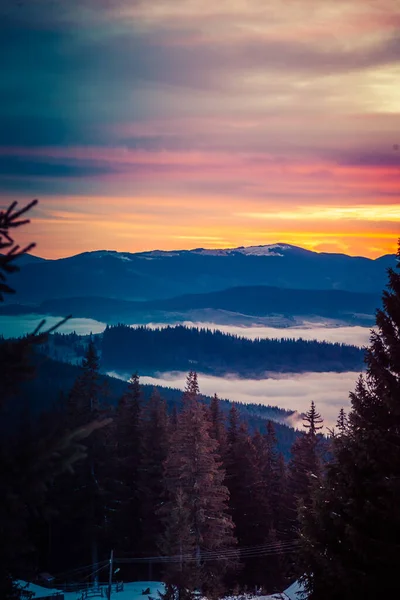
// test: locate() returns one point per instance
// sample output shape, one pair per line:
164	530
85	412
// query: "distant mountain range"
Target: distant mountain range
156	275
275	306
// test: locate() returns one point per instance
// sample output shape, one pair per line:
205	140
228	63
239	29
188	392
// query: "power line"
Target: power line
245	552
79	570
95	572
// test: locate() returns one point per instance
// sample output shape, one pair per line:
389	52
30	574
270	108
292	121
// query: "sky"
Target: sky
144	124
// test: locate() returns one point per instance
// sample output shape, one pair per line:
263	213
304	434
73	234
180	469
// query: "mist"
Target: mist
17	326
330	391
355	335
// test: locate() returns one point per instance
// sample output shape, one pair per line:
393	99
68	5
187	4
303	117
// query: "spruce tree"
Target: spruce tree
128	441
342	422
351	536
155	432
82	496
274	472
270	469
248	505
25	483
197	499
305	472
284	521
84	399
233	425
177	543
218	427
305	465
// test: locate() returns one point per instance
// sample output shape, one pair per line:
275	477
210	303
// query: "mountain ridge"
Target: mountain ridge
160	275
264	249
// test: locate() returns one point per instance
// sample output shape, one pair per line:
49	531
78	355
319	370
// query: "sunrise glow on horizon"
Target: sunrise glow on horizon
177	125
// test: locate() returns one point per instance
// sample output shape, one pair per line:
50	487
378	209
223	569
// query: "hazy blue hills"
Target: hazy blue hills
160	275
250	301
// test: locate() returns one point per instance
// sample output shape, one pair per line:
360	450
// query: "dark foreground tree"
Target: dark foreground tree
247	504
126	523
24	484
351	533
155	431
305	465
81	499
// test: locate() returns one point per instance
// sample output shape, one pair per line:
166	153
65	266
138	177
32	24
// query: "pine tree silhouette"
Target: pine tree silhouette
351	536
24	485
197	499
155	433
305	464
342	422
82	497
127	434
218	427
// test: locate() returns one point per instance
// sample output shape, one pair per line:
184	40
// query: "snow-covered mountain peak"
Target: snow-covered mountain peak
266	250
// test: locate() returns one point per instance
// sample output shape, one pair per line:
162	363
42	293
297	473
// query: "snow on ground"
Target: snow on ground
133	591
247	250
38	590
295	592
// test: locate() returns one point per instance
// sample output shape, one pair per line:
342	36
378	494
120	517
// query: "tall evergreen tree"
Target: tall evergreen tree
233	425
248	505
25	482
198	499
83	401
128	440
178	544
305	464
218	427
342	422
304	471
284	521
351	536
192	390
155	443
274	473
174	417
82	497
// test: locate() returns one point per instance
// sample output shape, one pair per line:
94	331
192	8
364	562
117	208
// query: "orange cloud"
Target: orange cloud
127	225
202	122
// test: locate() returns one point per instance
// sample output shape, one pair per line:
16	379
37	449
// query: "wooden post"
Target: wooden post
110	575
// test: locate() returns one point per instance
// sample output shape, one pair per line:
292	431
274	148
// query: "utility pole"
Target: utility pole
110	574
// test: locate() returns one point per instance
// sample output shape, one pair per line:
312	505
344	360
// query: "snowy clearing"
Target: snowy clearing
134	591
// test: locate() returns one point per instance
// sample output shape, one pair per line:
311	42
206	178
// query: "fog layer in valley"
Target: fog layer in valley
16	326
355	335
330	391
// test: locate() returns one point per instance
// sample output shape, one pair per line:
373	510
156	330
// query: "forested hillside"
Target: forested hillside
124	494
181	348
54	379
